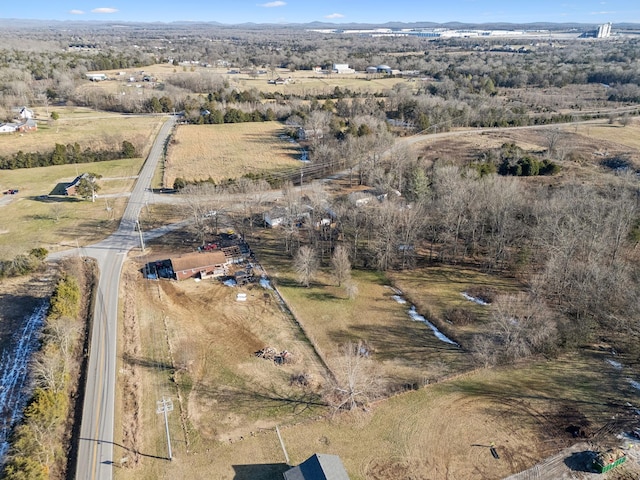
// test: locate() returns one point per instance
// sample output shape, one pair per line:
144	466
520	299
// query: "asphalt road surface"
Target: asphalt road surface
95	449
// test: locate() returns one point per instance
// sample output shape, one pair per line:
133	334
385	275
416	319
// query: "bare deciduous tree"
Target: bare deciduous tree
341	265
200	202
356	381
352	289
306	264
47	370
554	139
522	326
56	211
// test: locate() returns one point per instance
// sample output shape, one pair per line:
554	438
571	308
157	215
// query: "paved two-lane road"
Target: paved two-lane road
95	449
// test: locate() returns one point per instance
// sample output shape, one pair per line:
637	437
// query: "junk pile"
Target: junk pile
605	461
279	358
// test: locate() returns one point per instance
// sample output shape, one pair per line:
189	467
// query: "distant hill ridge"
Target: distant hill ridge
24	23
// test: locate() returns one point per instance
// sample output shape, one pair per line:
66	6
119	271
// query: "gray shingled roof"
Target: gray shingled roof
320	466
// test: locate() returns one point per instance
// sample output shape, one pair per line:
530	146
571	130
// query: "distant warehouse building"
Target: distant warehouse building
342	68
96	77
604	31
386	69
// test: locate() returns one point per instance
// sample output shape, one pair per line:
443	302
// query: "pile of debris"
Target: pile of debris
608	460
279	358
301	379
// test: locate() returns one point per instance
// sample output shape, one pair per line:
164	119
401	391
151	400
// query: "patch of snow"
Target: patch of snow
399	299
230	282
265	283
13	375
439	335
634	384
479	301
617	365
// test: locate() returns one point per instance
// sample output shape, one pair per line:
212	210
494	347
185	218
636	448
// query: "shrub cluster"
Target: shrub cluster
23	264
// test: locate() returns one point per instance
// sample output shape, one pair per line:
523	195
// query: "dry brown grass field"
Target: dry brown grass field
97	130
229	401
219	152
628	135
584	146
445	430
224	396
303	83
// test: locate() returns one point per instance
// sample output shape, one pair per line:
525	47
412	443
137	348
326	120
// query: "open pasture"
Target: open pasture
31	218
90	129
220	152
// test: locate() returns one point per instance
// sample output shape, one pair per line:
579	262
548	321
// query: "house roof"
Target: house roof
320	466
75	181
198	260
29	123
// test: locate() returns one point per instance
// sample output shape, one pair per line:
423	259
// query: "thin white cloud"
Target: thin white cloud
104	10
277	3
603	13
76	12
334	15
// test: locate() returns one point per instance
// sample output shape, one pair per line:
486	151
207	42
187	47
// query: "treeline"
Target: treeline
234	115
65	154
38	445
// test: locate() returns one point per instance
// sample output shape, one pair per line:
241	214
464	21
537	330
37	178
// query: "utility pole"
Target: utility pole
165	406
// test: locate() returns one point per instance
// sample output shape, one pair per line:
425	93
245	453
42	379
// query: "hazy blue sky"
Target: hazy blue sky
339	11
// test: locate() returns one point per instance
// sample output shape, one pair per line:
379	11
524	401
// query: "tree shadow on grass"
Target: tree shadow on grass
262	398
287	283
146	363
412	341
322	296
